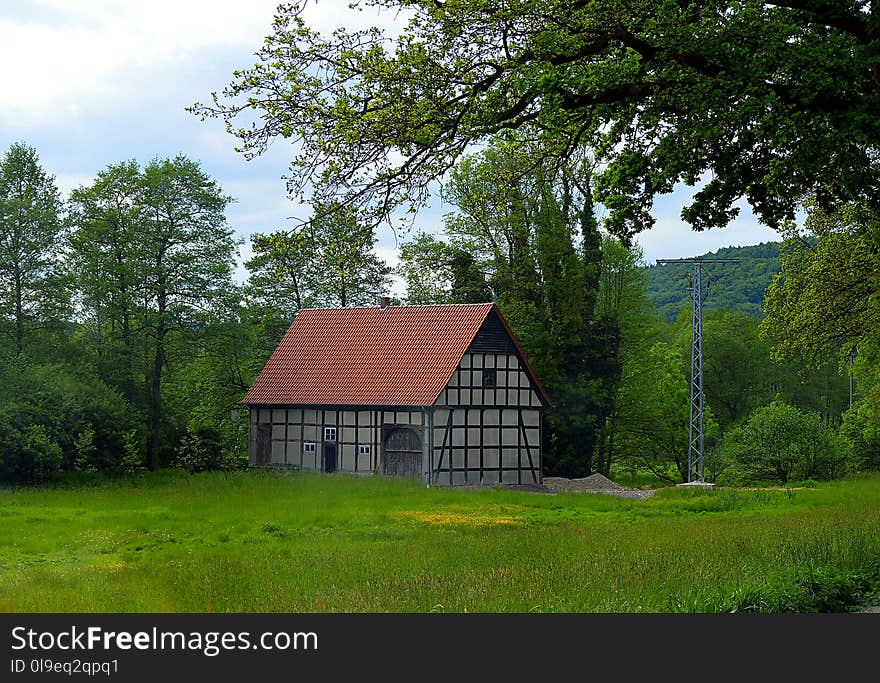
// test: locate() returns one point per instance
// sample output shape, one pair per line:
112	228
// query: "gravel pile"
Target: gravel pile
595	483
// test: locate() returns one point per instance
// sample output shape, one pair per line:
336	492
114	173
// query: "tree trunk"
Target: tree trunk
601	444
125	315
609	452
153	437
19	317
153	441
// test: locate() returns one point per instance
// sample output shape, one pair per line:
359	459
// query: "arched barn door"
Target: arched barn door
402	453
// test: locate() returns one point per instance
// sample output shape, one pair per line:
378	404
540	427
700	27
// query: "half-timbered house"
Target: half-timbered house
441	393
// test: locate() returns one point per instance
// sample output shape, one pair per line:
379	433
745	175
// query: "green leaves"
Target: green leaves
825	301
773	101
780	443
152	255
32	287
327	262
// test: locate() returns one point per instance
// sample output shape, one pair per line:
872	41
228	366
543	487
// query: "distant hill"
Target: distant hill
741	287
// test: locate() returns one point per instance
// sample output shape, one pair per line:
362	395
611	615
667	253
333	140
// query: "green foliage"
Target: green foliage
200	449
348	272
665	93
105	265
32	288
469	284
819	590
625	315
425	266
532	229
861	431
43	452
281	272
439	272
861	423
825	302
84	450
739	289
653	414
738	374
781	443
234	444
132	461
213	446
328	262
164	265
79	414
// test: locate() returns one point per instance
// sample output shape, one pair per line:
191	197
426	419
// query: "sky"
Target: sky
94	82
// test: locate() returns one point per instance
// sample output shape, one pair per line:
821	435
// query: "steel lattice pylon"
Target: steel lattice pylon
696	450
699	290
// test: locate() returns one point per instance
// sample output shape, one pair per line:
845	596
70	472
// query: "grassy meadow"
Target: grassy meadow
263	541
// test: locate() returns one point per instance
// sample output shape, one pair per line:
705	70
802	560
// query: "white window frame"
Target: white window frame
364	449
328	431
309	447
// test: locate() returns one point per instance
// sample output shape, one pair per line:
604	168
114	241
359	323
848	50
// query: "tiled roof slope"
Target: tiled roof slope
401	356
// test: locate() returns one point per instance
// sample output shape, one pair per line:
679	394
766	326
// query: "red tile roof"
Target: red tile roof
400	356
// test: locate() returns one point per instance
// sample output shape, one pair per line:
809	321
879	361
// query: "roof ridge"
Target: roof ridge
374	306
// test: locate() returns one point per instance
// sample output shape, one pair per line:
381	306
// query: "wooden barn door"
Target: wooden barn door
264	445
329	457
402	453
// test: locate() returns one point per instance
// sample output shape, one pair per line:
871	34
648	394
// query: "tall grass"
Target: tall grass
260	541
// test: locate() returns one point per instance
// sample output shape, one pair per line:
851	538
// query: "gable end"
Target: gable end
492	337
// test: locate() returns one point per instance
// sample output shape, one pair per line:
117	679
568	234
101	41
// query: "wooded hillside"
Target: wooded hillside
739	288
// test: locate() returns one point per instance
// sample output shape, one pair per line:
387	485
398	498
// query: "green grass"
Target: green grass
262	541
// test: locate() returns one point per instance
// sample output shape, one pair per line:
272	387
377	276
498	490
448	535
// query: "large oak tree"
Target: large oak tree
770	101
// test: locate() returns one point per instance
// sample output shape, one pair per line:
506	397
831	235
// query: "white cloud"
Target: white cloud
671	237
676	239
61	57
68	55
70	181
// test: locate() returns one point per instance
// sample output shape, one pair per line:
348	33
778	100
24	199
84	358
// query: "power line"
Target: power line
696	428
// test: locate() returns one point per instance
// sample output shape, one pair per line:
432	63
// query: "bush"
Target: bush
44	453
213	446
133	458
781	443
823	589
84	418
84	448
199	449
861	432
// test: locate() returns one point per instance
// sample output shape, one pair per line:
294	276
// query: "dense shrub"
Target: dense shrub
52	419
200	449
861	431
781	443
209	445
45	454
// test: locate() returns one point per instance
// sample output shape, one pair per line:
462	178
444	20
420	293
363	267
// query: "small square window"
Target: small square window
308	447
329	433
364	449
489	377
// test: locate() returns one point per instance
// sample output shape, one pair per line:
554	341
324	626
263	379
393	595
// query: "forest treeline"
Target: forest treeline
129	342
